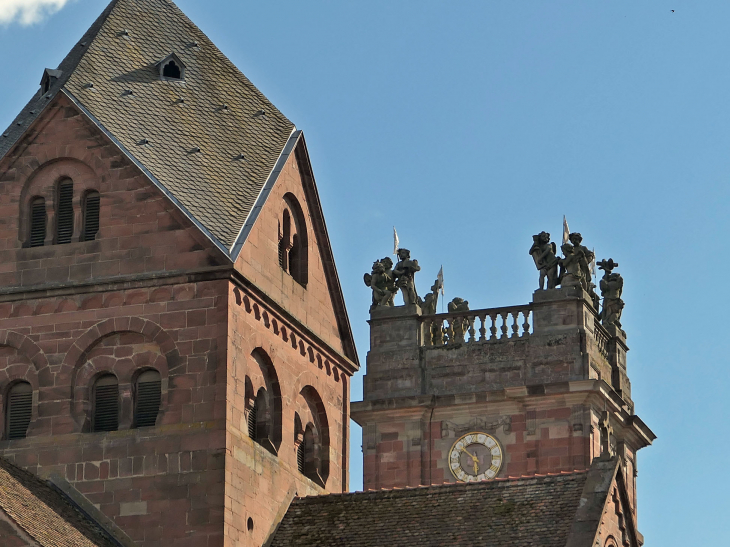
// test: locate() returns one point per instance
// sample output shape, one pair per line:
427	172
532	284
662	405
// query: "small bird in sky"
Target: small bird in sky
672	11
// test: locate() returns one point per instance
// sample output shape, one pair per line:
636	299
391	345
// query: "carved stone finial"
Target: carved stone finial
612	286
544	254
404	273
382	283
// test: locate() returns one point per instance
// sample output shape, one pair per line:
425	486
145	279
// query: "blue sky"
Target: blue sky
472	125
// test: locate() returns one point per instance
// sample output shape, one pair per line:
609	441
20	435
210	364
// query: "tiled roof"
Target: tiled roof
516	512
215	109
44	514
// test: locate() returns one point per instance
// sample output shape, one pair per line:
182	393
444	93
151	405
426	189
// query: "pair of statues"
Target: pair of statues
386	280
575	271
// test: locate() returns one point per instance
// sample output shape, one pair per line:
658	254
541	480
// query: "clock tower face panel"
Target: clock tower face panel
475	457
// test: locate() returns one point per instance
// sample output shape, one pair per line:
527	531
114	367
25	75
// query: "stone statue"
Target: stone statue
585	257
571	273
546	261
612	285
458	325
382	284
430	303
429	307
404	273
387	263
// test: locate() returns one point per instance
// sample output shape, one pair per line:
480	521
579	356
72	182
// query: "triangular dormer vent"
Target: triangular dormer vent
172	68
49	78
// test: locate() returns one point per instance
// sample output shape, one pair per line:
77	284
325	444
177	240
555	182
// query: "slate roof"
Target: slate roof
43	513
120	53
516	512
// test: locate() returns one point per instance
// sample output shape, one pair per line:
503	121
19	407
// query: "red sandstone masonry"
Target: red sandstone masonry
152	291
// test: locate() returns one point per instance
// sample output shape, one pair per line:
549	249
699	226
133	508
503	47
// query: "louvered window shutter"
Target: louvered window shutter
149	395
19	410
91	216
106	404
300	457
65	212
252	417
38	222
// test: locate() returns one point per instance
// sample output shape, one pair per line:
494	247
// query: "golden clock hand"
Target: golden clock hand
472	456
476	466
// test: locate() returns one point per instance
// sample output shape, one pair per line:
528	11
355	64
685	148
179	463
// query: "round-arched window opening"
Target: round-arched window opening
171	70
249	524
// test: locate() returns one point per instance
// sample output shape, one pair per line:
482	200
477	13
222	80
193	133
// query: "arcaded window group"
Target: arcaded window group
62	230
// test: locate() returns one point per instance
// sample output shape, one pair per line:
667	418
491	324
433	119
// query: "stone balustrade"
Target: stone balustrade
469	327
602	337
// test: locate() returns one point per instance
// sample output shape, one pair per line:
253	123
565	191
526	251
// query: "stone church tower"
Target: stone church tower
174	343
477	395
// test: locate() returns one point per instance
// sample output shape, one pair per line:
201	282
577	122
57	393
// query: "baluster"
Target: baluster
472	331
515	324
483	328
438	332
493	328
449	338
505	328
526	324
428	332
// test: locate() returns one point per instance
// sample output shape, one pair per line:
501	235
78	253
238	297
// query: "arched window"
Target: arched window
18	410
148	395
264	408
293	241
91	216
37	222
315	440
106	404
65	212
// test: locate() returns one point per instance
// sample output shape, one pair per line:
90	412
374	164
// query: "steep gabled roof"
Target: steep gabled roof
516	512
30	507
212	140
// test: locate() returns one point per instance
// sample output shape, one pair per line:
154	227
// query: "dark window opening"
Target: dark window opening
65	226
38	222
259	422
293	249
148	399
310	449
285	241
91	216
19	410
106	404
171	70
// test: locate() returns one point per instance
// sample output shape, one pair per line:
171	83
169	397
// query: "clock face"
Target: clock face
475	457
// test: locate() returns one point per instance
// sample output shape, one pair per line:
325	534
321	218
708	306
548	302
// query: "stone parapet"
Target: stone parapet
555	338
